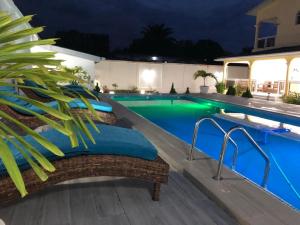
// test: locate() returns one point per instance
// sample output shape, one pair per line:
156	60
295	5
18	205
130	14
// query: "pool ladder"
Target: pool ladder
224	147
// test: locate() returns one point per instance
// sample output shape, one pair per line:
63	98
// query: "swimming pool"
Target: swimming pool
178	115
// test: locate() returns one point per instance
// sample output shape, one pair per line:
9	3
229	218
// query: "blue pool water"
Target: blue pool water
178	116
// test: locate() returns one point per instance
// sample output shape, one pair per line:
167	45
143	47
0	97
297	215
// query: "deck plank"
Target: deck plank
117	202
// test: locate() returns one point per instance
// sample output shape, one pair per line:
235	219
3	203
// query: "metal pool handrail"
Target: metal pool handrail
223	151
195	135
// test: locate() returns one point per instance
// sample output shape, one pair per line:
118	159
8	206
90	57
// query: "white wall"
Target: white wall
71	61
156	76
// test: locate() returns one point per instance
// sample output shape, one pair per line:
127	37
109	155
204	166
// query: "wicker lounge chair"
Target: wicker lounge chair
119	152
103	110
44	98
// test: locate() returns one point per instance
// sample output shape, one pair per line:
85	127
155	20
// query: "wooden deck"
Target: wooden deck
114	201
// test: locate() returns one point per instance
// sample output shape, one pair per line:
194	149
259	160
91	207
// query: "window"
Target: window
298	18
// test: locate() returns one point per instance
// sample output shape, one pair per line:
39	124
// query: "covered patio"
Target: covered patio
274	74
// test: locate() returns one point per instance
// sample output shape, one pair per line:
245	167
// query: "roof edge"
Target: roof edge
253	11
62	50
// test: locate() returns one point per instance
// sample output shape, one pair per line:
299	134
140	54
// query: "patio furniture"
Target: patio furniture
37	95
103	109
69	89
118	152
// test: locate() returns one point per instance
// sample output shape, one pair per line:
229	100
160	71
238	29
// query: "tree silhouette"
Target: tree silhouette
92	43
156	40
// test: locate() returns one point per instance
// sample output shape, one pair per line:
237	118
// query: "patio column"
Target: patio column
287	80
225	71
256	34
250	63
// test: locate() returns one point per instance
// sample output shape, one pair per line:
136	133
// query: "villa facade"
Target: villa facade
274	64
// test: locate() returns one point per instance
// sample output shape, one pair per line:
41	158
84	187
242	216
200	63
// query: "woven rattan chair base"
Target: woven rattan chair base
33	122
90	166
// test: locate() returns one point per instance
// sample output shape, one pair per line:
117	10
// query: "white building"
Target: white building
274	65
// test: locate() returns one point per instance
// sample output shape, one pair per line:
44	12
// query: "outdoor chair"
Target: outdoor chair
70	90
103	109
118	152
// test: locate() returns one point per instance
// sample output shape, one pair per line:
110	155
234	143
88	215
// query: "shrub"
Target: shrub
292	98
187	90
231	91
247	94
173	91
115	86
220	87
97	88
134	89
239	89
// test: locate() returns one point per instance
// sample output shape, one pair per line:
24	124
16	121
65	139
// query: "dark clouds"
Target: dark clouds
222	20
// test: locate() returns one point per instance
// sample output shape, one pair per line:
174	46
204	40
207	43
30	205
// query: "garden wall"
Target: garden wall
157	76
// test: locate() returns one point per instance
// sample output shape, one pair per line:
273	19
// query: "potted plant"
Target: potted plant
204	75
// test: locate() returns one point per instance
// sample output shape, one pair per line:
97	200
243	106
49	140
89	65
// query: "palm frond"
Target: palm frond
18	63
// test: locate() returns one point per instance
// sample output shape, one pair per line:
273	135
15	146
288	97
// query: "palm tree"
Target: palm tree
204	75
156	40
17	63
158	32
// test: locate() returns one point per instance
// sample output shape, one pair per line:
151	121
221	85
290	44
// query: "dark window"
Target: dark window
270	42
298	18
261	43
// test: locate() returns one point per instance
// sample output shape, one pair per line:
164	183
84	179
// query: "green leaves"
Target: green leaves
18	63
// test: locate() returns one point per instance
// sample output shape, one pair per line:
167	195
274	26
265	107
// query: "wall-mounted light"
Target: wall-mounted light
143	92
154	58
148	76
111	92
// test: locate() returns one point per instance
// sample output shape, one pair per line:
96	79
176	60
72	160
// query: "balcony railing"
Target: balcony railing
266	42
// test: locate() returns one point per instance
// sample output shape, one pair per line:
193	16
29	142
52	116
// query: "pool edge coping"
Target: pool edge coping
203	181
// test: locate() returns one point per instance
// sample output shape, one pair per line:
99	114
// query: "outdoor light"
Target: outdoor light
143	92
148	76
154	58
111	92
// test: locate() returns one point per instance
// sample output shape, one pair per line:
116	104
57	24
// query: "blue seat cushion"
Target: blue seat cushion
75	104
79	89
110	141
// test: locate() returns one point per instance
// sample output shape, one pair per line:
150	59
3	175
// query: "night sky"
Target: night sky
221	20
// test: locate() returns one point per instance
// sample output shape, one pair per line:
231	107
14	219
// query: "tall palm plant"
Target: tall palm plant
18	63
158	32
204	75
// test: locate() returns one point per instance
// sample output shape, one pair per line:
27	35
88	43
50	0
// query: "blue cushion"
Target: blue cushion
75	104
79	89
12	90
110	141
